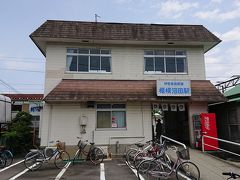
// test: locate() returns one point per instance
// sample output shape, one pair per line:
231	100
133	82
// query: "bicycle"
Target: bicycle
156	168
34	159
157	150
231	174
7	155
2	162
95	154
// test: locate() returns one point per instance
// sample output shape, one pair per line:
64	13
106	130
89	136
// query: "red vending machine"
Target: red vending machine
205	124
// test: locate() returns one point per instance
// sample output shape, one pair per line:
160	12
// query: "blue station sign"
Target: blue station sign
173	88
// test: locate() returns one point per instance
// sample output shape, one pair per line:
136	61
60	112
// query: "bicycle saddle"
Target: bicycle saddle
92	143
139	145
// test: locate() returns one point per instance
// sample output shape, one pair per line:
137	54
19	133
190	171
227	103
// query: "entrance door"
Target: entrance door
176	125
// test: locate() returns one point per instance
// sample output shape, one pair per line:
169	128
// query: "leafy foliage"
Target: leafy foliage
19	137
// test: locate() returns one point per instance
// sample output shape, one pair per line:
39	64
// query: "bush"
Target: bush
19	137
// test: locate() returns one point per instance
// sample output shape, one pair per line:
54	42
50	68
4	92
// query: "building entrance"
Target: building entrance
176	125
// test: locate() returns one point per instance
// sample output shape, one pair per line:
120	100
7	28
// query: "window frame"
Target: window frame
89	55
164	56
111	110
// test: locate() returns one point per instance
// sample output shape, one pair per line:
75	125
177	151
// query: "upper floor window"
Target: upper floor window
88	60
165	61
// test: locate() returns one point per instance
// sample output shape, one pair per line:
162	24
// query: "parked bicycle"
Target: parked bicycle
94	154
34	159
2	162
156	168
157	150
231	174
7	155
135	155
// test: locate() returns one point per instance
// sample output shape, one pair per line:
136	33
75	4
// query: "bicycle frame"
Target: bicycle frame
166	174
83	151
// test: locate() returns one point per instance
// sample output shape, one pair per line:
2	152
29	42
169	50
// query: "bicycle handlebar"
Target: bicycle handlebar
231	174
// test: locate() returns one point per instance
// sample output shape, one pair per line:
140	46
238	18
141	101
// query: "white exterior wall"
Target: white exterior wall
195	108
61	122
127	64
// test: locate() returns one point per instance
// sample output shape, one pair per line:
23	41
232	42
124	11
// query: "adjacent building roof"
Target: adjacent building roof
235	91
25	97
122	33
69	90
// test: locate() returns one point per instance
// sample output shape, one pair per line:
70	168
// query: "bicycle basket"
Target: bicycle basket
183	153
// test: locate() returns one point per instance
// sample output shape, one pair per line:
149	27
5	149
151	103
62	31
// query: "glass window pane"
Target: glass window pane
148	52
159	64
170	52
180	64
104	119
159	52
118	106
72	50
94	51
149	64
83	63
83	51
94	63
170	64
105	64
119	119
104	106
182	53
71	63
104	51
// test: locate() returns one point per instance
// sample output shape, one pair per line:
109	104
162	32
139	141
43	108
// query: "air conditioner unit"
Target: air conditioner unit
155	106
48	151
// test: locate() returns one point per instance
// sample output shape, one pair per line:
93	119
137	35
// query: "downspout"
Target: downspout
142	120
49	124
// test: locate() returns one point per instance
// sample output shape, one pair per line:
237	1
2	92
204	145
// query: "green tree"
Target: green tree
19	137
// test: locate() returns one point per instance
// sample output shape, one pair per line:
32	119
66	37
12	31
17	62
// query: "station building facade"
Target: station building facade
103	80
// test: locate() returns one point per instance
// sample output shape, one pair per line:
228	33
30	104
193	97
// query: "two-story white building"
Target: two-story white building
103	80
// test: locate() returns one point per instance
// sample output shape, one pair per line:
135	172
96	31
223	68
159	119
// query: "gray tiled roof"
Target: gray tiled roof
123	31
76	90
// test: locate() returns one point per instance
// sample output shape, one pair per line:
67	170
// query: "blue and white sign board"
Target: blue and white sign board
173	88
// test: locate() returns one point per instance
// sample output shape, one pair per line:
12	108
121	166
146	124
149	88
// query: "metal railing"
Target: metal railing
172	140
222	140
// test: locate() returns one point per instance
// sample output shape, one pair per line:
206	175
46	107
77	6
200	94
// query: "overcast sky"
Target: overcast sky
22	64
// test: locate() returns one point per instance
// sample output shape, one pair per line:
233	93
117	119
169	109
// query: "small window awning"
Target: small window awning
76	90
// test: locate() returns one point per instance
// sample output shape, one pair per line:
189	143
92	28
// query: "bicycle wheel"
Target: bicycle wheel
2	162
8	156
149	169
187	170
138	158
130	158
96	155
34	160
61	159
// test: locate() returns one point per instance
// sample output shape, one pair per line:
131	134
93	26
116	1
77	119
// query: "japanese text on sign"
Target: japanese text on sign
173	88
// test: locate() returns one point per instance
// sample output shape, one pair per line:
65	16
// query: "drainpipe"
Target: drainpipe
117	147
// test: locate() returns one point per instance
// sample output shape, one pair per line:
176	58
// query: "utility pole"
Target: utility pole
96	17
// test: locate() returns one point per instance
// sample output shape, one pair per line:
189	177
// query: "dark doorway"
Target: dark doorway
176	125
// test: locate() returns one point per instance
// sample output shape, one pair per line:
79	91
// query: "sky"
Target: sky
22	65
